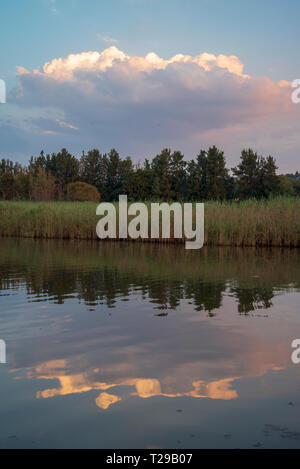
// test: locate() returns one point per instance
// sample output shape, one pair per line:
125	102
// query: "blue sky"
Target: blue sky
263	34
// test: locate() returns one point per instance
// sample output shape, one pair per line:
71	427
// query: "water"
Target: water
145	346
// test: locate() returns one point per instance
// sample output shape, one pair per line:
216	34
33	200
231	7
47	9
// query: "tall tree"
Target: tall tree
161	166
64	168
197	177
216	174
90	167
178	175
249	174
270	181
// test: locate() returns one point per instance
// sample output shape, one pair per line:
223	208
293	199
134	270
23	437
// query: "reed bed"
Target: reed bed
274	222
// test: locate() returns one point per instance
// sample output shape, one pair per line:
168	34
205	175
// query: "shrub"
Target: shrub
82	192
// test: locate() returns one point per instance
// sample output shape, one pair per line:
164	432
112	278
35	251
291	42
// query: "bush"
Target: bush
82	192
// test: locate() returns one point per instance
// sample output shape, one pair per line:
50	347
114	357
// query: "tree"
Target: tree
90	167
285	185
167	177
64	168
296	185
7	179
178	175
140	187
110	184
248	175
126	173
269	181
216	174
256	176
197	172
208	176
22	184
161	167
42	186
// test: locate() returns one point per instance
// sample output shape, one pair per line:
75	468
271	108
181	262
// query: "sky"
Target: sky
141	75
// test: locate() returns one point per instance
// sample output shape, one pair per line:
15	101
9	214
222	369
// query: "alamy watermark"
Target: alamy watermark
2	92
295	357
296	92
2	351
184	217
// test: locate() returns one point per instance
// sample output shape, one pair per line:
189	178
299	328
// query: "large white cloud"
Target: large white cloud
140	104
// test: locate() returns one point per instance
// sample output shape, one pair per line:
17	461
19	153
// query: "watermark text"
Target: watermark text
295	357
2	92
2	351
296	92
188	221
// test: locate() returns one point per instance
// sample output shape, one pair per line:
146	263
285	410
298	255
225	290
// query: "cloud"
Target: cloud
141	104
66	125
107	39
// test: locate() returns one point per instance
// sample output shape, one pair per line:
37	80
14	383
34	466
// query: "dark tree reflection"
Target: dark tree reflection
97	273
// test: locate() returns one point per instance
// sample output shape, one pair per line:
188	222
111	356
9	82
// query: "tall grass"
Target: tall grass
273	222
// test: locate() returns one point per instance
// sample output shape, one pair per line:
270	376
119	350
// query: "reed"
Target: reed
274	222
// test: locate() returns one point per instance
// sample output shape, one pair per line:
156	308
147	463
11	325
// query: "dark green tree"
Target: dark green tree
90	167
178	176
249	175
216	174
270	181
161	166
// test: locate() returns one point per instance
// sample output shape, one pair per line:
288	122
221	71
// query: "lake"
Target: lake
139	345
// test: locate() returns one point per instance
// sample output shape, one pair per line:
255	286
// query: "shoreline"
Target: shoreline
251	223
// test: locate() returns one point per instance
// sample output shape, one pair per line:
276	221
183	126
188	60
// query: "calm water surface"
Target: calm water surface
133	345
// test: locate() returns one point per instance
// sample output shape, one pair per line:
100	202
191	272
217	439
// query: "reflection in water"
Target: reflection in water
102	272
120	324
79	383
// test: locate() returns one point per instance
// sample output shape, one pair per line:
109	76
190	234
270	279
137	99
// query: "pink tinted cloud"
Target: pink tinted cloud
143	103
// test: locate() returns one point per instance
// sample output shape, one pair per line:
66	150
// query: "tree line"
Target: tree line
168	176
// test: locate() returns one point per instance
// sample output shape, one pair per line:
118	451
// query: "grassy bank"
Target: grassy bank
250	223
